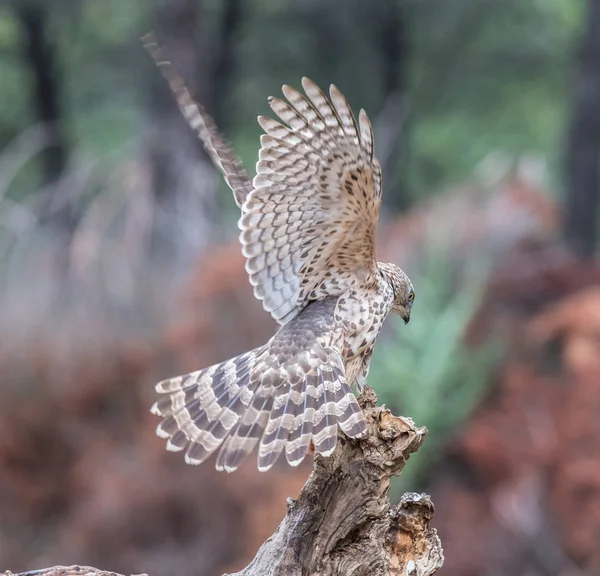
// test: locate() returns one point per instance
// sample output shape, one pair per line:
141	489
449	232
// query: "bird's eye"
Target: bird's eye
411	296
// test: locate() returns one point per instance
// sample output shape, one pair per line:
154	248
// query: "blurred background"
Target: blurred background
119	266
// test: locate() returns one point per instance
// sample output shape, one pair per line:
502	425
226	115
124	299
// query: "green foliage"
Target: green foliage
480	75
486	76
14	116
425	370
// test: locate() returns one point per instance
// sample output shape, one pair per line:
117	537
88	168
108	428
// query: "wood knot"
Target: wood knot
413	513
414	547
368	398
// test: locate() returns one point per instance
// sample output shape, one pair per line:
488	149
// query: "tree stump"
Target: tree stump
342	523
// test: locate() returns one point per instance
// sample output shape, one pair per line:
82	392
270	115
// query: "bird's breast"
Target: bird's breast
361	314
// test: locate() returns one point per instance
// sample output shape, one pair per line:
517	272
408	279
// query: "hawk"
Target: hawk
307	231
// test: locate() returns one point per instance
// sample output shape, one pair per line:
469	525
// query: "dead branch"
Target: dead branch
342	523
67	571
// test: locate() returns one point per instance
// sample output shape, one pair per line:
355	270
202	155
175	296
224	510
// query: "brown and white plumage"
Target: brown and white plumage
308	234
219	151
308	227
282	396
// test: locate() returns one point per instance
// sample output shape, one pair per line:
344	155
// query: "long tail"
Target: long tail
255	398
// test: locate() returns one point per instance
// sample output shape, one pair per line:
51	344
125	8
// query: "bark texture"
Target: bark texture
67	571
342	523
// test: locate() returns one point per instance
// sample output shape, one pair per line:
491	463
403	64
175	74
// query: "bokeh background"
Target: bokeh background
119	266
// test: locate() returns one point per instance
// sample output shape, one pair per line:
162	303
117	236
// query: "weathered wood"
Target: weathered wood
67	571
342	523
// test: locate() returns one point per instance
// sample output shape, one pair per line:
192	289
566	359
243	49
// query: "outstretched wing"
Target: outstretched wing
220	153
308	227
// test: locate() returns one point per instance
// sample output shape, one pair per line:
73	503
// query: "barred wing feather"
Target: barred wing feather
308	226
280	397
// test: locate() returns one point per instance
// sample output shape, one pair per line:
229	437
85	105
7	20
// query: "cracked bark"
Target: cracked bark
342	523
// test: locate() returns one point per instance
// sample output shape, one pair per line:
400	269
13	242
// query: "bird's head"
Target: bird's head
404	293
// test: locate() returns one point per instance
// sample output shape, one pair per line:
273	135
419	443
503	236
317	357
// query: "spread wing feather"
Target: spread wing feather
219	151
308	226
309	216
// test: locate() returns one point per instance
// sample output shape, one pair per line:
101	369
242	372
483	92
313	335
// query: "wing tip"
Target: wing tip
149	38
168	385
309	85
333	89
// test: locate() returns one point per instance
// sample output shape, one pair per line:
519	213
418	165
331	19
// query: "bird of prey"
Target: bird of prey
307	231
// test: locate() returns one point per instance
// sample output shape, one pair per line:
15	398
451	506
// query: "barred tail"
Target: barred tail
201	408
253	399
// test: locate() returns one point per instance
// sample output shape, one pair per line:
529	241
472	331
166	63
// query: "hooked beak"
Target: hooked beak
406	317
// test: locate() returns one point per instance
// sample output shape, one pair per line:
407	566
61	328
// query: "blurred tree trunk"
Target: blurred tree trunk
40	58
394	54
184	182
223	64
583	146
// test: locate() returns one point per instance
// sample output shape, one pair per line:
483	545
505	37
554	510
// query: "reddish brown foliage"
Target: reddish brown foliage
218	316
83	476
84	479
493	220
522	492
